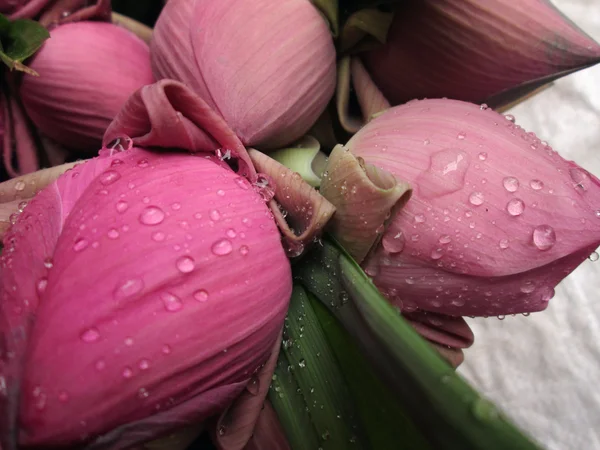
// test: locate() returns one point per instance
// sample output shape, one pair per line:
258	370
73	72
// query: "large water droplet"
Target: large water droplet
152	215
511	184
446	173
437	253
581	178
128	288
242	183
80	244
185	264
201	295
510	118
222	247
476	199
113	233
121	206
109	177
394	242
172	302
536	185
544	237
594	257
419	218
215	215
90	335
515	207
445	239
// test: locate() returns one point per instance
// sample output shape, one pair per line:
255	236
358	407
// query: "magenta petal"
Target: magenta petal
443	330
139	305
497	218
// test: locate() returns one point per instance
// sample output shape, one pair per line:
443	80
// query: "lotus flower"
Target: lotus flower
87	72
268	66
496	218
161	327
474	50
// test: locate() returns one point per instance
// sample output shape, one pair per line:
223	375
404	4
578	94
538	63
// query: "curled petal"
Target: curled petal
169	115
364	197
308	210
268	433
304	158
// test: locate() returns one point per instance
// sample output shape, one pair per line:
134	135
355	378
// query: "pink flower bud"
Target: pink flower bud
268	66
474	50
496	219
139	288
87	72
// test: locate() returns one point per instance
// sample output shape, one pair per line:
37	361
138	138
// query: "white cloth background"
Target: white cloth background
543	370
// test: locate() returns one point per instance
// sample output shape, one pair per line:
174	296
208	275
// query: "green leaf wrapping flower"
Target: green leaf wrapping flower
19	39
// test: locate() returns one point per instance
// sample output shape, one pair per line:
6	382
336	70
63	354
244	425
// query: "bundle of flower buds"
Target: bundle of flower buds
288	208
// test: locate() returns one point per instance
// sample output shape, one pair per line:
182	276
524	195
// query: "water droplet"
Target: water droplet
594	257
172	302
166	349
244	250
242	183
437	253
511	184
458	302
128	288
515	207
113	233
109	177
201	295
547	294
461	135
222	430
476	199
220	192
152	215
215	215
544	237
483	156
100	365
41	285
445	174
48	263
80	244
510	118
394	243
222	247
20	186
527	288
144	364
484	410
597	213
122	206
185	264
128	341
127	372
90	335
501	317
445	239
426	142
159	236
142	163
176	206
483	107
63	397
302	364
415	238
419	218
231	233
536	185
581	179
503	244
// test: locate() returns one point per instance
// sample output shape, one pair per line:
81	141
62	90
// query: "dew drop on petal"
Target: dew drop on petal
511	184
176	206
244	250
166	349
536	185
201	295
419	218
109	177
445	239
142	163
90	335
527	288
113	233
41	285
215	215
248	222
503	244
19	186
172	302
222	247
127	372
394	243
152	215
221	192
231	233
185	264
544	237
510	118
80	244
580	178
144	364
461	135
515	207
122	206
476	198
159	236
48	263
594	257
436	254
128	288
483	156
242	183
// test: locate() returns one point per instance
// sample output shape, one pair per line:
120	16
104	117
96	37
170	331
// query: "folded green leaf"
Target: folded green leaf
19	39
448	412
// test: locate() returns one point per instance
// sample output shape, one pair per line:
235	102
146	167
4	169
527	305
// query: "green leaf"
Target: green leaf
446	410
20	39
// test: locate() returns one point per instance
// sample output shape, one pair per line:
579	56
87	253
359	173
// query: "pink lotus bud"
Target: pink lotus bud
268	66
87	72
477	50
496	219
155	284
